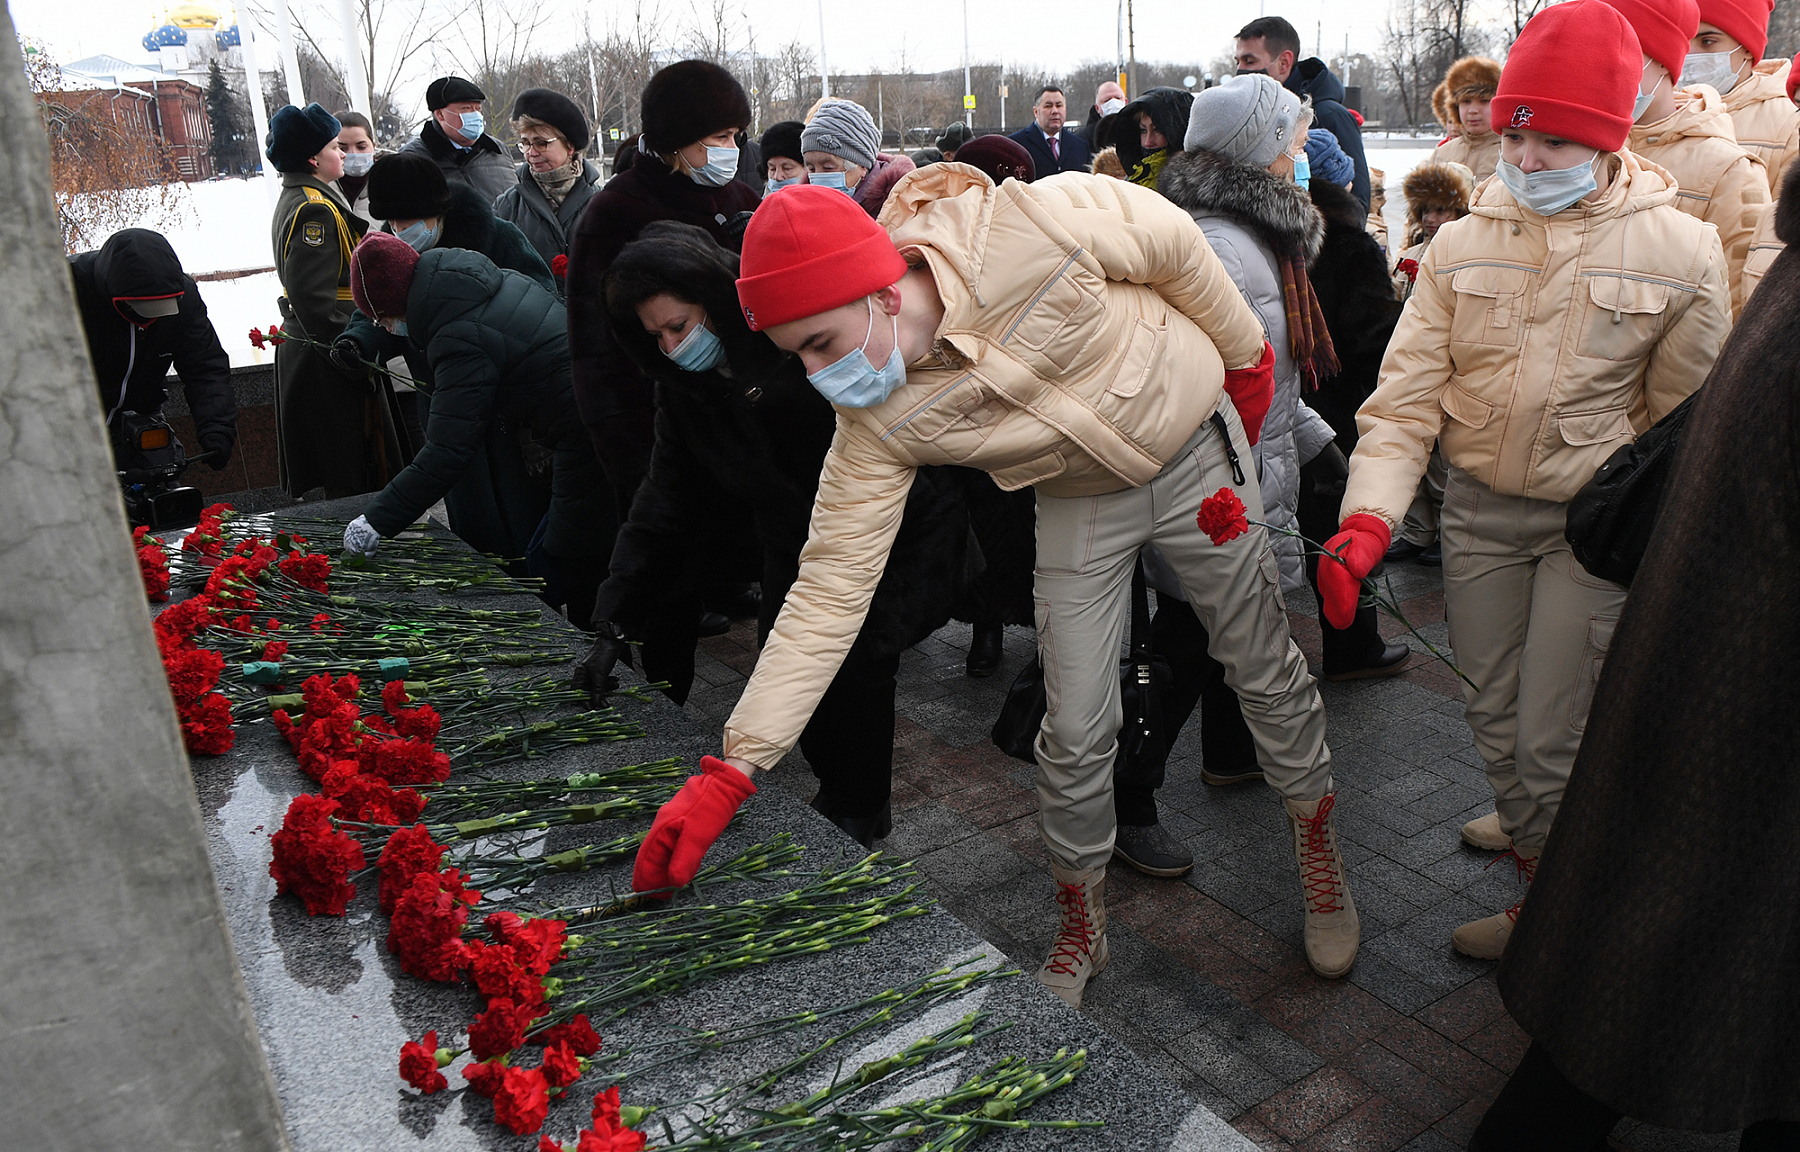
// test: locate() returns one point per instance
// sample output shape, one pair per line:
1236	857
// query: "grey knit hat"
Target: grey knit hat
1248	119
845	129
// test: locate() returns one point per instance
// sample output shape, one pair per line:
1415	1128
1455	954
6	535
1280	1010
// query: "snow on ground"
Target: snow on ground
229	227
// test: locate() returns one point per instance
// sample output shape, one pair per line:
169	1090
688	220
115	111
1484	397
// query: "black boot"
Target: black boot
1358	652
984	650
865	830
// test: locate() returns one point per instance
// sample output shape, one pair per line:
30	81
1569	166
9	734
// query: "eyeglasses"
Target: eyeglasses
536	143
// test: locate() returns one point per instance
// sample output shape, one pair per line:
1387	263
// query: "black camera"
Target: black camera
150	461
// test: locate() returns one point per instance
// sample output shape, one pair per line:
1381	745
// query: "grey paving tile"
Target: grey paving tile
1226	1067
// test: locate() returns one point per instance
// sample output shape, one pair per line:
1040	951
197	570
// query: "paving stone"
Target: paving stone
1375	1123
1301	1109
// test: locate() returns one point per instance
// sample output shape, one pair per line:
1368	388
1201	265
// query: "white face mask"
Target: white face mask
1712	69
719	170
358	163
1111	106
1550	191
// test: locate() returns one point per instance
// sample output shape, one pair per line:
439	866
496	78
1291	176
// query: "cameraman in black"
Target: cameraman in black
142	313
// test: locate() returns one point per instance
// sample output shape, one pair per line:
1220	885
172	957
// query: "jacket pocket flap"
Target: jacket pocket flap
1494	282
962	400
1582	428
1467	410
1029	473
1617	294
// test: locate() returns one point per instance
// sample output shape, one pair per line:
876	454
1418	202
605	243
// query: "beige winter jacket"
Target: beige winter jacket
1764	247
1481	155
1532	347
1767	122
1718	181
1087	328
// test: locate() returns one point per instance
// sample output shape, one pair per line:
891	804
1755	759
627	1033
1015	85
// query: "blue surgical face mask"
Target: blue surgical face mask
1550	191
778	185
397	327
420	235
1712	69
699	351
473	123
358	163
1302	170
719	169
829	180
854	381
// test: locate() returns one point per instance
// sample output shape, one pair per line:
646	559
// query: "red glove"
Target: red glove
688	824
1252	390
1361	544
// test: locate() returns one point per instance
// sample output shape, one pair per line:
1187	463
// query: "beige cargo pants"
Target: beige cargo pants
1530	627
1086	548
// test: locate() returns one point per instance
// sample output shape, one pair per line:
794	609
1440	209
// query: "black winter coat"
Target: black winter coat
498	347
1311	78
1657	958
616	398
484	166
1168	109
758	438
1350	278
132	363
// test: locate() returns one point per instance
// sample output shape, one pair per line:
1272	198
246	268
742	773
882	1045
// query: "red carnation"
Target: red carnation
192	673
313	859
561	1067
206	725
501	1028
426	931
153	564
545	1144
175	625
419	1064
276	336
578	1034
408	853
523	1100
420	723
274	650
1221	516
613	1139
1409	269
308	571
537	942
404	761
606	1108
369	798
257	339
484	1078
559	265
497	973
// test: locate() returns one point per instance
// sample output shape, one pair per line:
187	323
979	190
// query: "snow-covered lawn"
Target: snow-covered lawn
228	228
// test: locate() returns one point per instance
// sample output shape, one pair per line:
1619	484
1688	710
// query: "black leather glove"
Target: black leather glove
732	234
220	447
594	672
347	357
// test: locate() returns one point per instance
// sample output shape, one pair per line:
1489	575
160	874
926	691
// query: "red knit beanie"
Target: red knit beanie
1746	21
381	274
810	249
1574	74
1663	29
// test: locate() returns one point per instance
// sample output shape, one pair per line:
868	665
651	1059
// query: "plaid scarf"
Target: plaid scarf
1308	337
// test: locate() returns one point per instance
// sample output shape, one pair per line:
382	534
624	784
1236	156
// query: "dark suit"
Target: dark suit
1075	154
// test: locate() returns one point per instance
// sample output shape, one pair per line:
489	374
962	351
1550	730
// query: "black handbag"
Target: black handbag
1611	518
1143	678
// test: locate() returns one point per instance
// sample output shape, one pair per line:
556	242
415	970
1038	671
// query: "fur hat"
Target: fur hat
808	250
783	139
688	101
1471	78
407	186
1001	157
1437	186
556	110
296	135
1442	109
381	275
845	129
448	90
1107	163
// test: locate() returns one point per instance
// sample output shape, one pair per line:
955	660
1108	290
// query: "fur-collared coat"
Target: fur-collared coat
1658	955
1253	219
1350	278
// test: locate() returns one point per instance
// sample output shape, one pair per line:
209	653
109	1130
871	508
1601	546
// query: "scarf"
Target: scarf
1308	337
1146	171
556	183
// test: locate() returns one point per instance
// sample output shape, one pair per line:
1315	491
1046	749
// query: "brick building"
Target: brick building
168	108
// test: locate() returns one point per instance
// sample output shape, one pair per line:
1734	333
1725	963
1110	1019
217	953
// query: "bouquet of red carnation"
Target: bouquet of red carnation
313	859
153	564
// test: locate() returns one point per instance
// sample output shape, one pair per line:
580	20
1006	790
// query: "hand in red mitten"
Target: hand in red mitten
1361	542
687	825
1252	390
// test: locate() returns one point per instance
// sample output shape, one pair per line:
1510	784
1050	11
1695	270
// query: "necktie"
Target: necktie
1055	148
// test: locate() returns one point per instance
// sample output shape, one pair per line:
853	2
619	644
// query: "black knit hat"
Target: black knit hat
783	139
407	186
448	90
296	135
688	101
556	110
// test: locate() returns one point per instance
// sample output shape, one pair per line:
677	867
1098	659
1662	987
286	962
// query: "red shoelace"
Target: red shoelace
1527	872
1318	866
1074	941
